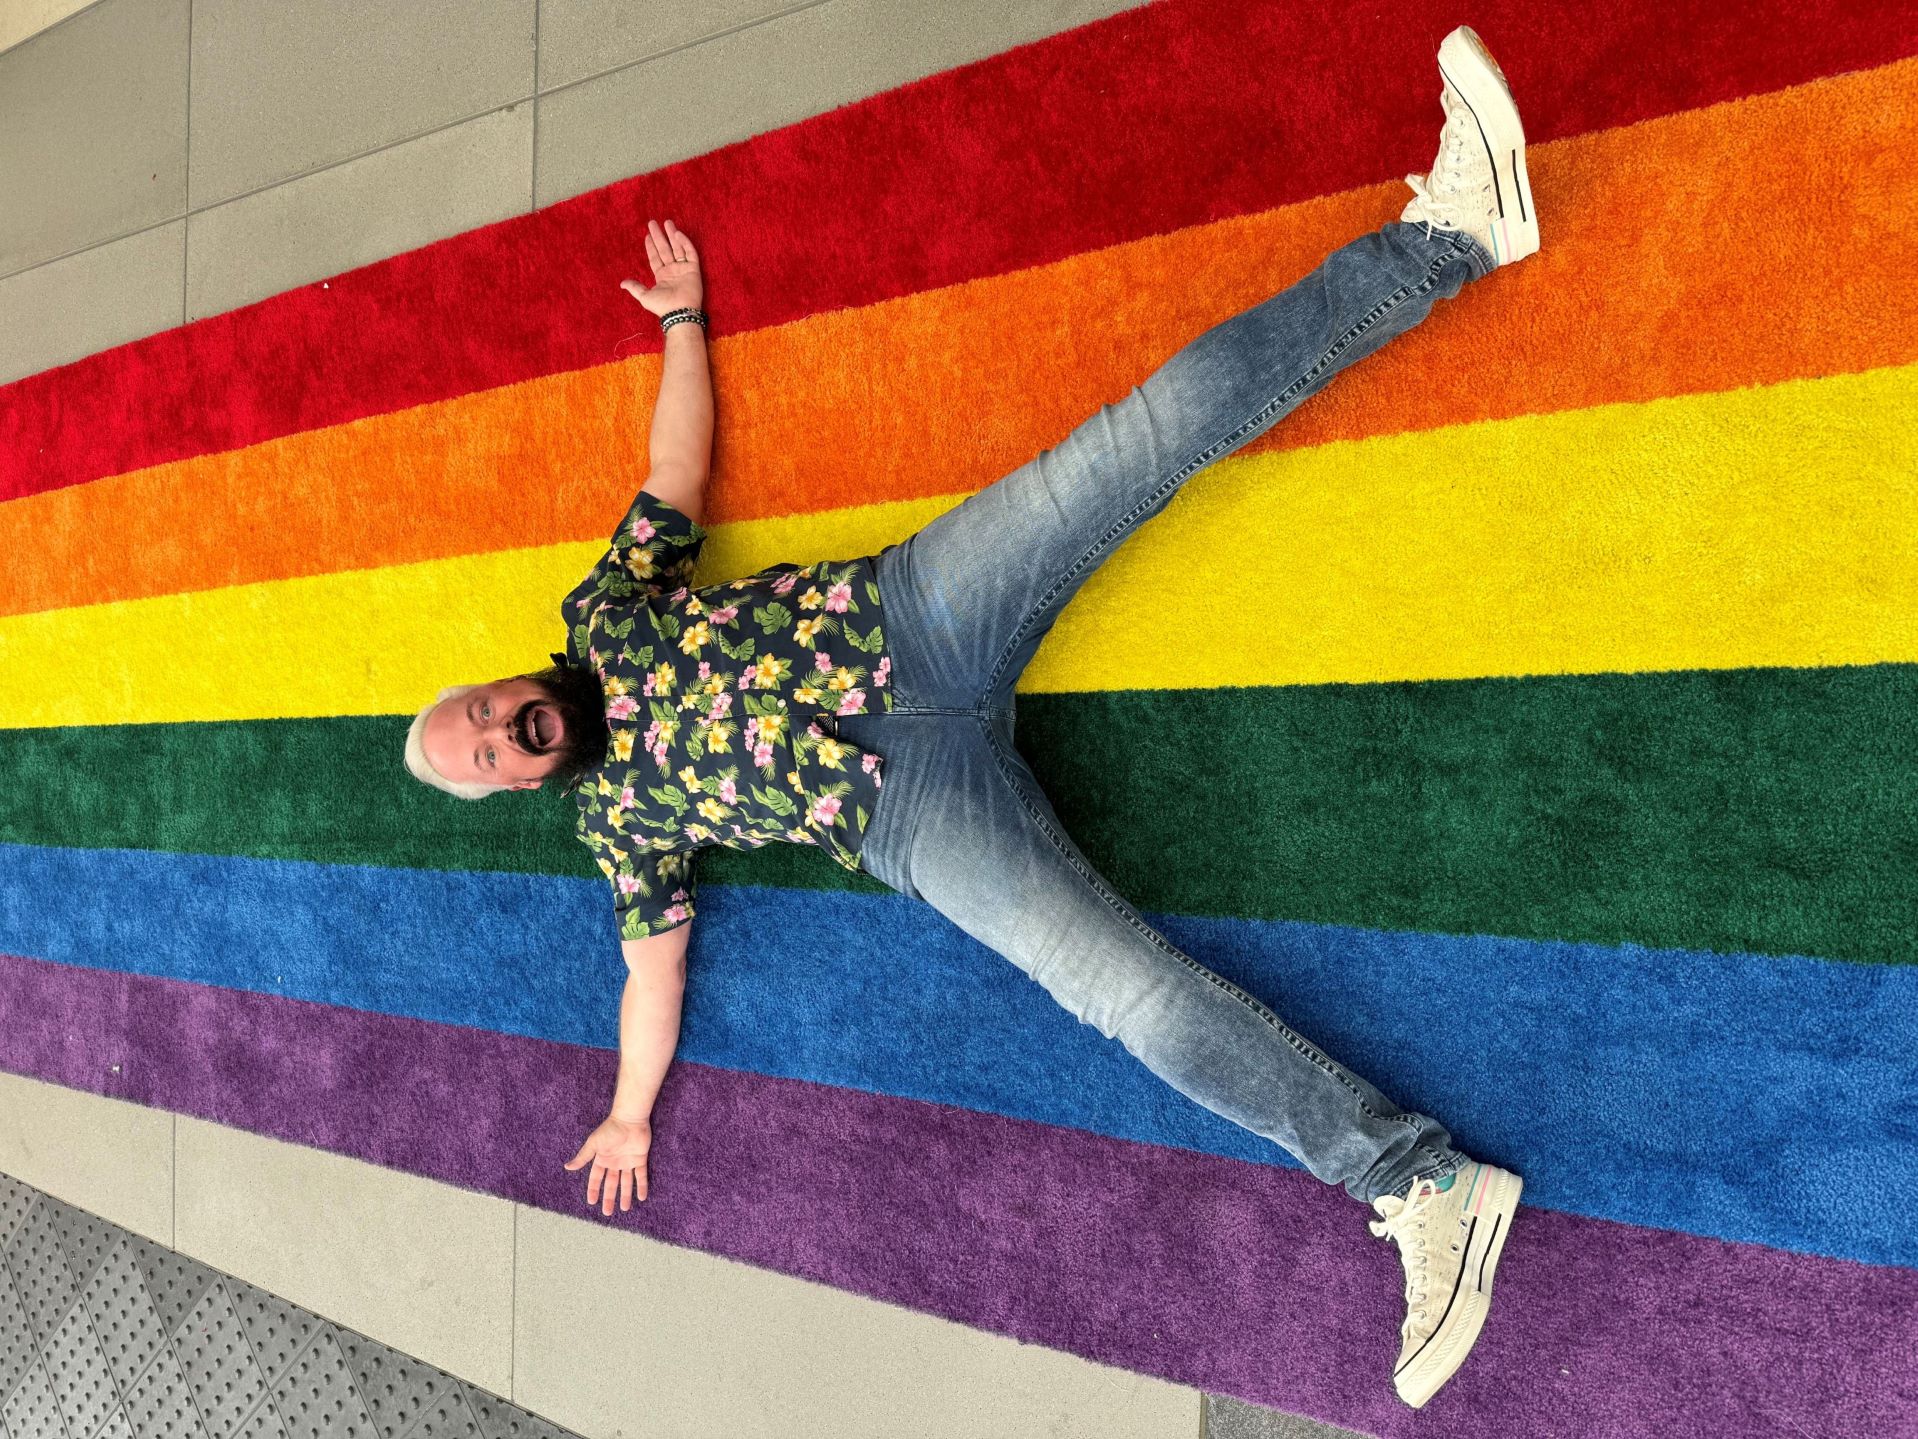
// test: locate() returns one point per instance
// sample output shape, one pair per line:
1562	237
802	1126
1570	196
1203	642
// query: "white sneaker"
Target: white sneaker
1478	182
1449	1241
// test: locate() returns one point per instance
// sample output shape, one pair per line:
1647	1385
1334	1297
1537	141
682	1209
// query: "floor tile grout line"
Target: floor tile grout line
186	230
533	203
26	40
765	19
512	1317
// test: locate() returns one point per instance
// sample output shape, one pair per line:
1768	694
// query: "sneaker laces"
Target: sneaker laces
1404	1225
1459	175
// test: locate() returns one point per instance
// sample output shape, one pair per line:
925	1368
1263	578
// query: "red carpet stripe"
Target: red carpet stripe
1228	108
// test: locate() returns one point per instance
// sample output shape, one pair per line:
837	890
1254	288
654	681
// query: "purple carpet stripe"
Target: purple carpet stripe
1243	1279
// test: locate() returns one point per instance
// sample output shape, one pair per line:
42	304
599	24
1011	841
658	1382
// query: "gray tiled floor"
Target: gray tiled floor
107	1335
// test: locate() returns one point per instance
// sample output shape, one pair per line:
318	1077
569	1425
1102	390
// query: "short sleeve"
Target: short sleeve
653	891
657	544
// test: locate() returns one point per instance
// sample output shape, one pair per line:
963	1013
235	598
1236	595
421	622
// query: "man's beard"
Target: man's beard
577	695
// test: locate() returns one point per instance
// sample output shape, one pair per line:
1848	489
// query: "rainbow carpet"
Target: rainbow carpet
1584	736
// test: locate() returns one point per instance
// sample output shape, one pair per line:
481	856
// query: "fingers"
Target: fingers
667	245
625	1189
585	1153
682	245
639	1179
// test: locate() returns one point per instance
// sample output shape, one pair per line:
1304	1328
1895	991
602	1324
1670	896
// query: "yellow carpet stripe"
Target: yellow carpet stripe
1760	527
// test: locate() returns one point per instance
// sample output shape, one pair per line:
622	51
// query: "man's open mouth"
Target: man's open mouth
540	729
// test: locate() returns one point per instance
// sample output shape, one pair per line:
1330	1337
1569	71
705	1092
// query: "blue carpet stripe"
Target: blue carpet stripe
1669	1088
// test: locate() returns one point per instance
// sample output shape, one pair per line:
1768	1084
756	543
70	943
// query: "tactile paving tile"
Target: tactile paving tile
265	1423
82	1382
160	1406
316	1397
32	1412
277	1330
174	1281
199	1355
501	1420
16	1339
124	1317
40	1274
448	1417
218	1362
396	1387
15	1200
84	1237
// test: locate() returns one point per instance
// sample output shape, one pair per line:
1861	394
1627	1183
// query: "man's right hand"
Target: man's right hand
617	1151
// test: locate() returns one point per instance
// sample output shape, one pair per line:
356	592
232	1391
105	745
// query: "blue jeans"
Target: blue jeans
962	823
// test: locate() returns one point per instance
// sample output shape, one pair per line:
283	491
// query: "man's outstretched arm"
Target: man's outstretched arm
682	439
649	1012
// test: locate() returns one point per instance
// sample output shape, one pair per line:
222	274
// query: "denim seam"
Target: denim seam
1125	523
1124	911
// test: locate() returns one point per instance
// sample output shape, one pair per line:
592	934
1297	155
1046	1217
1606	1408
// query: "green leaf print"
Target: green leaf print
619	584
668	623
581	640
621	630
670	795
741	651
860	811
770	617
774	800
872	591
869	643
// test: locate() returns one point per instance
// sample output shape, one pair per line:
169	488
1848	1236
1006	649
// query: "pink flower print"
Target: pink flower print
627	883
878	779
852	702
724	616
681	593
784	583
679	894
720	705
626	799
837	597
826	807
869	763
752	730
650	677
624	707
729	793
674	913
652	735
745	679
705	669
885	668
642	530
762	755
822	661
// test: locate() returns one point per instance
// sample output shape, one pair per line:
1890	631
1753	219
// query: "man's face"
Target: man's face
511	732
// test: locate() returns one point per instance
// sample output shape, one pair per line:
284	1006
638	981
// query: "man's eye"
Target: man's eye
484	710
492	759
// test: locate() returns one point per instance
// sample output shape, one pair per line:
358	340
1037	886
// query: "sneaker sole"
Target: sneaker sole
1468	67
1490	1211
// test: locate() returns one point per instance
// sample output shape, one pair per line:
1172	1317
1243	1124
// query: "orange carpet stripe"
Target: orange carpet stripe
1759	240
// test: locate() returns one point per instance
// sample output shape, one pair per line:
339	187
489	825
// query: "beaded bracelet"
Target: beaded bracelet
677	317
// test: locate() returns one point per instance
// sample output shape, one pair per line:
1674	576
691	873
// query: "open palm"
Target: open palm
617	1151
676	280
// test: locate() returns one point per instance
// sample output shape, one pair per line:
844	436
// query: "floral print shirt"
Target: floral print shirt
712	701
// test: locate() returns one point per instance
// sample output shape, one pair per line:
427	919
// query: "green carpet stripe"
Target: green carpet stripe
1768	811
